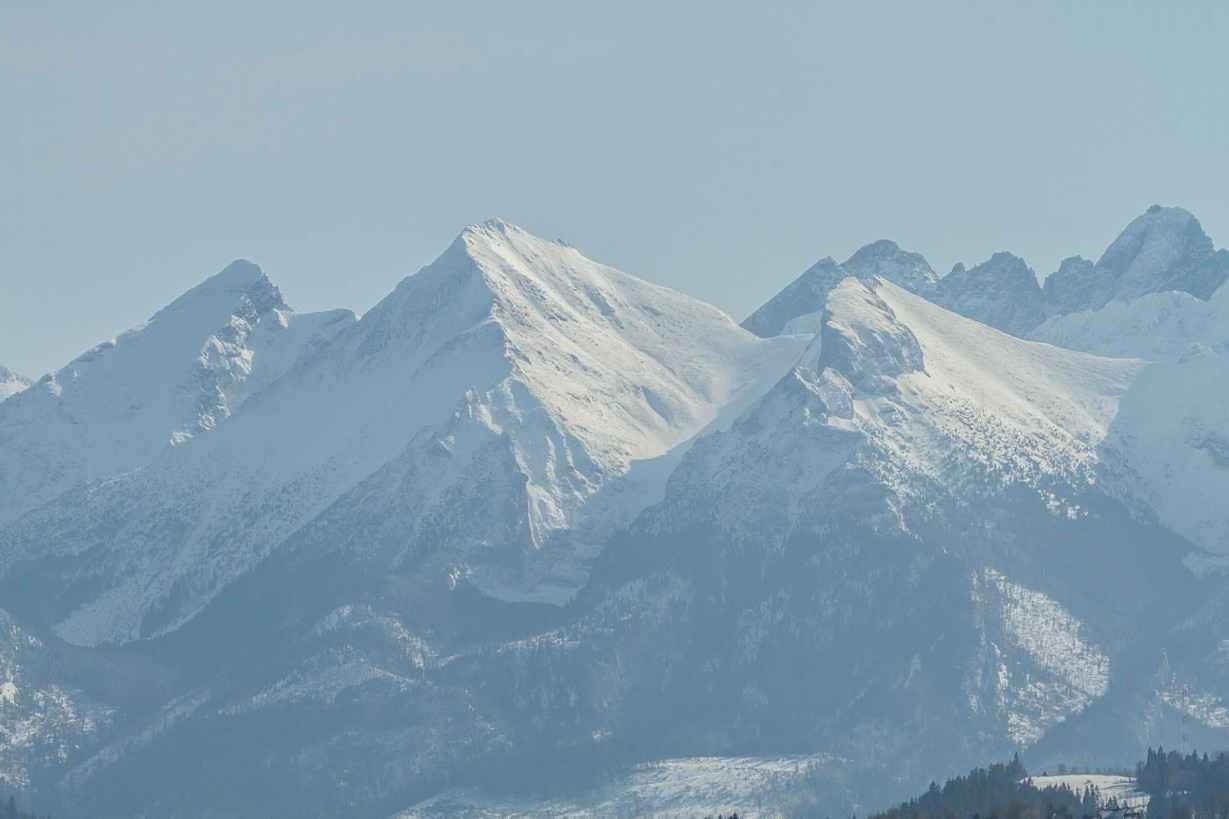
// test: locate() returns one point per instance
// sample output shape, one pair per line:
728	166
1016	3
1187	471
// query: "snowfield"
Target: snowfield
670	789
1109	787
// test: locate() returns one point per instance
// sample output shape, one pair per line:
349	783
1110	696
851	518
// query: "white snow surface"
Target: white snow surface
919	396
983	408
1122	789
1171	433
1157	327
669	789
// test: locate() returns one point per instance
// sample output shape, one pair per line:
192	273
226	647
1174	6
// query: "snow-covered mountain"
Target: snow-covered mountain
1157	293
531	520
913	440
1165	249
11	383
125	402
886	557
491	402
1172	431
797	308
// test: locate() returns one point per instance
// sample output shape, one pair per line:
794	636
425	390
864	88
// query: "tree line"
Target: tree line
1001	791
1185	786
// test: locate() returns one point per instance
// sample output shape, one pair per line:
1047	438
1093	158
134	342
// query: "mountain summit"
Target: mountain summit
506	388
180	374
1162	249
1002	292
797	307
1165	249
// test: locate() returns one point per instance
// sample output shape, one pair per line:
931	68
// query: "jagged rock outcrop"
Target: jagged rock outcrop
1002	292
1163	249
125	402
797	308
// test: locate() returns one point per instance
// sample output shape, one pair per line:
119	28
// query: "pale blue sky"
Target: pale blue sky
714	149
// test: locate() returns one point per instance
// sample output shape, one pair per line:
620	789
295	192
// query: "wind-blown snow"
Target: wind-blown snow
798	307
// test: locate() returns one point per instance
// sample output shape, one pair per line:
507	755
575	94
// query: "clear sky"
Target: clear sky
718	148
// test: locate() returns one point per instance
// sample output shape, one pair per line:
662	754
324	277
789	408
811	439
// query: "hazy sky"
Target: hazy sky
716	150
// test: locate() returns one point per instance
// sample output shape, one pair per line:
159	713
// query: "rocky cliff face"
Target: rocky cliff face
1002	292
1165	249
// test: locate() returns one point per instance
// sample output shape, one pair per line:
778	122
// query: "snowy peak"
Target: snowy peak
512	384
179	374
11	383
575	327
798	308
930	401
1162	249
863	340
1165	249
886	260
950	397
1002	292
569	329
239	289
945	398
1170	430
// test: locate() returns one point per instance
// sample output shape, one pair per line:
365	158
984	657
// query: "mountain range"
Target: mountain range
535	532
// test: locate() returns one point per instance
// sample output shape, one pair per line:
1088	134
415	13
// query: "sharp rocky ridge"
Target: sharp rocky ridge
530	514
1163	250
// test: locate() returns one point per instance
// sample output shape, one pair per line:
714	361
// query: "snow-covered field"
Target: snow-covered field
1109	787
685	787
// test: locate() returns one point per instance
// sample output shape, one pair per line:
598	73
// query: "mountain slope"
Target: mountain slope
180	374
918	484
1171	436
511	358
